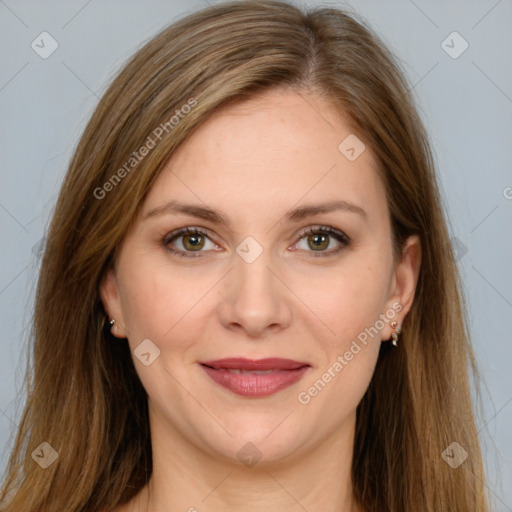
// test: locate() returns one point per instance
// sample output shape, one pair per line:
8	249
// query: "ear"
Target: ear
109	292
404	281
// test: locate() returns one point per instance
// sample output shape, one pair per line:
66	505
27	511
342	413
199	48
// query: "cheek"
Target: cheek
350	302
158	299
337	386
349	299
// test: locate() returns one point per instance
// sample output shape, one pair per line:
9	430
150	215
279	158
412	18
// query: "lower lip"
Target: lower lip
255	384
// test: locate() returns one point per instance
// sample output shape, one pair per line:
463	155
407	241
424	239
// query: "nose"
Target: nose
253	299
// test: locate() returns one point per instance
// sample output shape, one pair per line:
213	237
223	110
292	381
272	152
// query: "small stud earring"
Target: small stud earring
394	336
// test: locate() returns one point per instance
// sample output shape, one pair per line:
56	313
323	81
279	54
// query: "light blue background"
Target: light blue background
466	104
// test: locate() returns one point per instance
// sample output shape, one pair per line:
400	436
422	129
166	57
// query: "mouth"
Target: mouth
255	378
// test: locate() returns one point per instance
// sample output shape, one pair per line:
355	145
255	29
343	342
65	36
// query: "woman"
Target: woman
248	299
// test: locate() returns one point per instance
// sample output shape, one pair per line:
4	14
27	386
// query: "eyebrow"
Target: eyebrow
217	217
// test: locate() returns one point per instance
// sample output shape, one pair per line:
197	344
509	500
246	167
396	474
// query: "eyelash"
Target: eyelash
318	230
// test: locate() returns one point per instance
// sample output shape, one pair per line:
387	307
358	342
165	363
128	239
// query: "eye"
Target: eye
189	241
321	238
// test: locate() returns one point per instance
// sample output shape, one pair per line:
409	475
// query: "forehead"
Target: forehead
270	151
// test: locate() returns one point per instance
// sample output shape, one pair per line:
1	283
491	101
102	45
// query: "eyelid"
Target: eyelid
321	228
187	230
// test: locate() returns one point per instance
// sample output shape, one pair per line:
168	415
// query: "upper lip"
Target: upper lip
240	363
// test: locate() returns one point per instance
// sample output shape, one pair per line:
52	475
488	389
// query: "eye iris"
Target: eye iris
319	241
196	241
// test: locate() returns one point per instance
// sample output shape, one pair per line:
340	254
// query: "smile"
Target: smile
255	378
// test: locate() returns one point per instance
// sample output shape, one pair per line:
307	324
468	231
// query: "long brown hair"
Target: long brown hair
84	397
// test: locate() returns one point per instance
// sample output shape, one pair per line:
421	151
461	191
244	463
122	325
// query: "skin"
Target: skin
254	162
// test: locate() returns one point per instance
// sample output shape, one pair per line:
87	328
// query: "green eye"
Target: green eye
188	241
318	240
192	242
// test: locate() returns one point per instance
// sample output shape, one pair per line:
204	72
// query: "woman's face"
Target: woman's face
249	281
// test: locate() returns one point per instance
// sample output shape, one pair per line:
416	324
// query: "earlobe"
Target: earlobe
110	298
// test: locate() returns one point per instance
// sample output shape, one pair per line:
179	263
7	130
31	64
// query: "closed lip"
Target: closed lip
241	363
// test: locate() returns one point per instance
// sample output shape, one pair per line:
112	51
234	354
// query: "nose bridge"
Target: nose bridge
251	263
254	299
255	284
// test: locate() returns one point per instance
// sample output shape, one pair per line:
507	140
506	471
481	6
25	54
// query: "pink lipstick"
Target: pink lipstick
255	378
